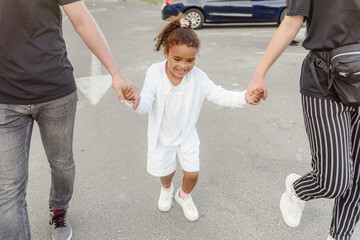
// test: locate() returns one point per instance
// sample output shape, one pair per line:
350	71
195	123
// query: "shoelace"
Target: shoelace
189	204
294	211
296	200
166	196
58	220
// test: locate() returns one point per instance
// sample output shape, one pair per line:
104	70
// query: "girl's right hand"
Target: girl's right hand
128	92
257	95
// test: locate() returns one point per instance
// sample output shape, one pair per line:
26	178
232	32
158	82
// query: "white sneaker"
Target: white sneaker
290	205
188	206
165	200
330	238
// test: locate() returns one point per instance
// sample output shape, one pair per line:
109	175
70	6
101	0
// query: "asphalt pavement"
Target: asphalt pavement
245	154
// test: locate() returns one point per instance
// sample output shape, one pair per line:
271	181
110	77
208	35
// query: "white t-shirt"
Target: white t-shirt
173	117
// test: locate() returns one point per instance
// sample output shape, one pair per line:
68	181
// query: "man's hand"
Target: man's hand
128	92
86	26
120	83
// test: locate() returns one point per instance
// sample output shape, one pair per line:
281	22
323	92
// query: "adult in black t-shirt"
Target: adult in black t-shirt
37	83
293	42
333	128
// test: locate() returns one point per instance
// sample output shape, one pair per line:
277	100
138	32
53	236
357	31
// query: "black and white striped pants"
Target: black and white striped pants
334	135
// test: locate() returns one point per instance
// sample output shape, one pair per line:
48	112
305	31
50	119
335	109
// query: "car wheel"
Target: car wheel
196	17
282	15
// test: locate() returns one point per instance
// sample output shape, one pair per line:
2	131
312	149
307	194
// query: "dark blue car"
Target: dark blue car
226	11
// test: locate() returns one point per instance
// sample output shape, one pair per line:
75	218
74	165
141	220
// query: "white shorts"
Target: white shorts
161	162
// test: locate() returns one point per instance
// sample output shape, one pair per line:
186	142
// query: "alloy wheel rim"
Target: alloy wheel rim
194	18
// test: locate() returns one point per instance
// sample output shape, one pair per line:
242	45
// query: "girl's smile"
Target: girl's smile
180	61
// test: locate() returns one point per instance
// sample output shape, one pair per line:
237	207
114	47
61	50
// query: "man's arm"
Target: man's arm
86	26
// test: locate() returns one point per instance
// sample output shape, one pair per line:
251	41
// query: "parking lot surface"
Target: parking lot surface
245	154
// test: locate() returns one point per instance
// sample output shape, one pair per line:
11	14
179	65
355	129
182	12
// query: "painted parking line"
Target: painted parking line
287	54
96	85
90	10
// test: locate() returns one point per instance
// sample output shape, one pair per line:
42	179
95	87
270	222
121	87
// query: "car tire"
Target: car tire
196	17
282	15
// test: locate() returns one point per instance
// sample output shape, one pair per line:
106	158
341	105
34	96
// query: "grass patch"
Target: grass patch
156	2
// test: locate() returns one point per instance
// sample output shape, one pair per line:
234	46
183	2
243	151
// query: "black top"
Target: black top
330	24
34	67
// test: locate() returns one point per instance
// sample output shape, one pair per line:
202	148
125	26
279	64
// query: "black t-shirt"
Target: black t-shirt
330	24
34	67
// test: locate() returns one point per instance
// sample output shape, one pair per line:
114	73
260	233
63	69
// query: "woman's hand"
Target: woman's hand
256	88
286	32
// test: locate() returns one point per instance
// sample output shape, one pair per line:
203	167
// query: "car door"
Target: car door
277	10
216	10
250	10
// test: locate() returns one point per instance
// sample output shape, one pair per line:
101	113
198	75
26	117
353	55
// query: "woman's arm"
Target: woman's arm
286	32
86	26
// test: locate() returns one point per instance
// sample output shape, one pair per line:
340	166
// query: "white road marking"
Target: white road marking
65	17
96	85
288	54
95	66
97	10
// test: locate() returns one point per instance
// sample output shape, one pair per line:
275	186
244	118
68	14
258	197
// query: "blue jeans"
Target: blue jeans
56	123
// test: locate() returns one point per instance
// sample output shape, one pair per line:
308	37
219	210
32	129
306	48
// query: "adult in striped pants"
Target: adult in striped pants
333	129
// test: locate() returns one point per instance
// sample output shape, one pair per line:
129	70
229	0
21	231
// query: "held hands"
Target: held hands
256	95
256	91
126	90
129	93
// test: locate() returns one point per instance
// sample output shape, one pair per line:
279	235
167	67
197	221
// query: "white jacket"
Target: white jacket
197	87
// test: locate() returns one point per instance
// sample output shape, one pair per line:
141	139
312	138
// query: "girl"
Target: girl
173	93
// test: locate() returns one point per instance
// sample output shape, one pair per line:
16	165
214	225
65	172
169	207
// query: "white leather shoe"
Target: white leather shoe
165	200
290	205
188	206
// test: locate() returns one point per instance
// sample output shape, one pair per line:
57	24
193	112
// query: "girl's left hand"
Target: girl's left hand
257	84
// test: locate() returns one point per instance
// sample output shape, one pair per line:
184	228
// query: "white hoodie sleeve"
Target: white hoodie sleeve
220	96
148	92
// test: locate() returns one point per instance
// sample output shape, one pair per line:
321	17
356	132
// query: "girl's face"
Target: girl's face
180	61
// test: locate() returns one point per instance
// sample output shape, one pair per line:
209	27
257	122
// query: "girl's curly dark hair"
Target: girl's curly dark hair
172	34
